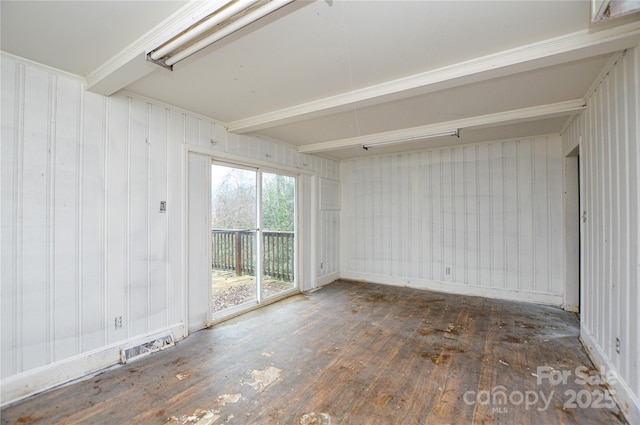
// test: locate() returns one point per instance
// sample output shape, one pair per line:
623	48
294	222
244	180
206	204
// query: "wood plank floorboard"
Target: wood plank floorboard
350	353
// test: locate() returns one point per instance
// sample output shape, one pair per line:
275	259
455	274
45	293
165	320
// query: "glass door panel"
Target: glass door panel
234	207
278	233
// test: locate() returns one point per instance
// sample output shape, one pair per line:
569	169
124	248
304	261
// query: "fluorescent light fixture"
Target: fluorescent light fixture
221	22
411	138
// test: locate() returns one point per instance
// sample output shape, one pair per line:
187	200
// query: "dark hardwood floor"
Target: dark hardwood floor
351	353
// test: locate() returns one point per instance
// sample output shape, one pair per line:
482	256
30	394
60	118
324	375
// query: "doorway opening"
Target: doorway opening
253	237
573	224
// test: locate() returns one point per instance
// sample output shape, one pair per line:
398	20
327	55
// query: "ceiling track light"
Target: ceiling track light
411	138
218	24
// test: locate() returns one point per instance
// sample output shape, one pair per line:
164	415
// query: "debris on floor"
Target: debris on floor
313	419
199	417
228	398
264	378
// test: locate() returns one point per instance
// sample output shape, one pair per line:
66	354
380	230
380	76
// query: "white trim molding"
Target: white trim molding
627	402
35	381
457	288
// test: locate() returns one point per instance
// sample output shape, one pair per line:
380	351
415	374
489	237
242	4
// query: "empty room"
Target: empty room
320	212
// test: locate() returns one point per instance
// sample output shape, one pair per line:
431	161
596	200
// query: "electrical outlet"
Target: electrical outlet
118	322
447	270
618	345
321	266
163	206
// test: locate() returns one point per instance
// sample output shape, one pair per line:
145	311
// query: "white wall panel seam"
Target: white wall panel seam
518	215
549	216
532	189
148	215
491	217
105	224
504	215
127	319
18	216
476	155
465	211
169	215
79	257
50	217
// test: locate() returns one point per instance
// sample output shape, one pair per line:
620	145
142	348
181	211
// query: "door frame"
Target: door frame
260	299
573	231
306	181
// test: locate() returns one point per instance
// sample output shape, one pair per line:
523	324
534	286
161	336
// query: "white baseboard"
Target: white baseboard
458	288
37	380
327	279
625	398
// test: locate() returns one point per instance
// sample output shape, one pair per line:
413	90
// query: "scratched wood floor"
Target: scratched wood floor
350	353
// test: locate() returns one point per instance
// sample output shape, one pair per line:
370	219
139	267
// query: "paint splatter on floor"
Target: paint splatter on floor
264	378
199	417
315	419
183	376
229	398
205	417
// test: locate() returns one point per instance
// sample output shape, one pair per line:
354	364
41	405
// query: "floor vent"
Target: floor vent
147	348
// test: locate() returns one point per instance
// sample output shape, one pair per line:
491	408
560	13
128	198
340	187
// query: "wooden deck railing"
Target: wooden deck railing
234	250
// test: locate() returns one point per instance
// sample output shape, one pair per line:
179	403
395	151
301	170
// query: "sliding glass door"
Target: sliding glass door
278	235
253	237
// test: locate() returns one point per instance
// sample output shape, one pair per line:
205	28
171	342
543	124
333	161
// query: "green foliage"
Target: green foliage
278	203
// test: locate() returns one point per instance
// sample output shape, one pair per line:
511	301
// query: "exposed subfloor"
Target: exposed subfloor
352	353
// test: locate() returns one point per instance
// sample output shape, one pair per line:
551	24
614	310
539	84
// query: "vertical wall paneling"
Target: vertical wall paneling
497	224
470	196
484	220
83	241
10	209
415	197
35	290
447	193
138	218
607	133
437	220
481	212
426	220
158	221
555	256
525	215
511	216
66	210
540	224
329	212
93	222
198	270
176	213
460	269
306	226
117	222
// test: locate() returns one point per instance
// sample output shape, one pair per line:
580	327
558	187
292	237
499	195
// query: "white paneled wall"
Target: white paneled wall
482	219
83	240
609	136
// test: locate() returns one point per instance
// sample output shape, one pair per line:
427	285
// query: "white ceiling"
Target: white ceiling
329	70
77	36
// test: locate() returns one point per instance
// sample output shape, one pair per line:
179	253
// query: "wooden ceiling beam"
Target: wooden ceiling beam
554	51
